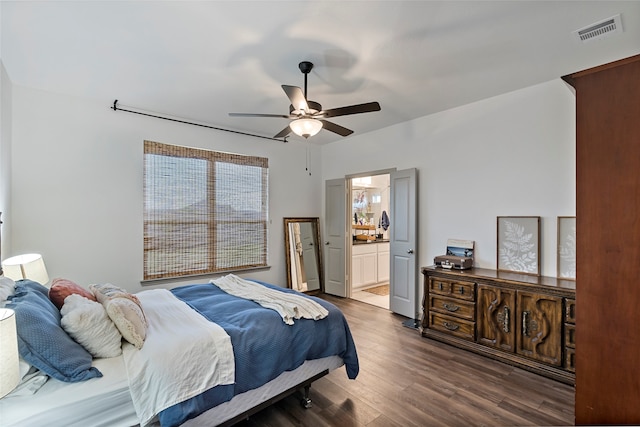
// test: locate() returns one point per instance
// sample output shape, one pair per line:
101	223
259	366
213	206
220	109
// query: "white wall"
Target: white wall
506	156
77	176
5	155
77	185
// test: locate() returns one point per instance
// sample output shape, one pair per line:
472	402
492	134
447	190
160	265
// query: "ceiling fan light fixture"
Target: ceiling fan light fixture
305	127
309	117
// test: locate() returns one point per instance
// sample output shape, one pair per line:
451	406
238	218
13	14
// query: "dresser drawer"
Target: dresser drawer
453	288
570	360
458	327
452	306
570	335
570	310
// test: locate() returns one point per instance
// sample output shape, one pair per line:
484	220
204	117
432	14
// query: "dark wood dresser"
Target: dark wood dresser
524	320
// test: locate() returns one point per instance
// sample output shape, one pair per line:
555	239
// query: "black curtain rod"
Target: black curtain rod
116	108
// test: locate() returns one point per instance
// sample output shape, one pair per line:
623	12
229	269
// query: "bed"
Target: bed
177	368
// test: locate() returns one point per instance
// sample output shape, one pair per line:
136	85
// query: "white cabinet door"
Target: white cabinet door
383	262
356	271
363	270
364	260
370	269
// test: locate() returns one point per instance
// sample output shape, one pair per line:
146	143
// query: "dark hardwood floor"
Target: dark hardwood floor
407	380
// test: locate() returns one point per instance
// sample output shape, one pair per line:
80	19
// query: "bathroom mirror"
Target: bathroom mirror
302	252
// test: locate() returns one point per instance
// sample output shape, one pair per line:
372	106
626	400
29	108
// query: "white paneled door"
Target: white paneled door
335	231
403	289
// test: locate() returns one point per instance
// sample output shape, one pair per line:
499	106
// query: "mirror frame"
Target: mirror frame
287	255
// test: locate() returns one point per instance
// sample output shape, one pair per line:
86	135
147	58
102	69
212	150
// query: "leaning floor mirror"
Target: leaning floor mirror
302	252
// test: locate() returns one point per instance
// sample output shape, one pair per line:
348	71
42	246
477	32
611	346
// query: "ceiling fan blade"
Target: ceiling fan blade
261	115
296	96
284	132
351	109
342	131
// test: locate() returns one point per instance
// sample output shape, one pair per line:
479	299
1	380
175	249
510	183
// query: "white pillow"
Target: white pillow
107	291
7	288
129	319
87	322
125	311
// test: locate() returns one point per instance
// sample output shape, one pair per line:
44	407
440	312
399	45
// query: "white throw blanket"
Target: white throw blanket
289	306
183	355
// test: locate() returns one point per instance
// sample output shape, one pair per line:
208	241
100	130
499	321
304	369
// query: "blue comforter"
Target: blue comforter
264	346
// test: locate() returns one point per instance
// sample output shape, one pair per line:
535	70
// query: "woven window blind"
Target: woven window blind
204	211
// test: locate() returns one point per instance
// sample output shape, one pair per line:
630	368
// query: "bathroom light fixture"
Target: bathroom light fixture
27	266
305	127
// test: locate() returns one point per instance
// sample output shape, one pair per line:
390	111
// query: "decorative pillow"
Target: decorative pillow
62	288
129	319
108	291
88	323
7	288
41	340
125	311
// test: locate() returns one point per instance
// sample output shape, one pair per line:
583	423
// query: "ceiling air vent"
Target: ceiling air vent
599	30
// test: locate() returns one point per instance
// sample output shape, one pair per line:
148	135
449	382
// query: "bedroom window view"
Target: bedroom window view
204	211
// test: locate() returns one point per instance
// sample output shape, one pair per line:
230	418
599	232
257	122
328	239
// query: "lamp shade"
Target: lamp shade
306	127
9	364
28	266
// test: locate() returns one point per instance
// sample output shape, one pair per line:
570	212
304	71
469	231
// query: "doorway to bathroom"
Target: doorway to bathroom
370	261
341	226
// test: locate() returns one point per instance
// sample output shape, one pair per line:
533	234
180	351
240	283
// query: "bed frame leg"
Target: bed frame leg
306	401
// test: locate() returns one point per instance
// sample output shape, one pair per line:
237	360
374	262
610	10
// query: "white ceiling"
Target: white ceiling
201	60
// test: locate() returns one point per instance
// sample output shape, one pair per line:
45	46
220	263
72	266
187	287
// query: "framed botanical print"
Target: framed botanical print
566	259
519	244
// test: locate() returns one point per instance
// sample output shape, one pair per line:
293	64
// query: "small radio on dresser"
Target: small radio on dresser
459	255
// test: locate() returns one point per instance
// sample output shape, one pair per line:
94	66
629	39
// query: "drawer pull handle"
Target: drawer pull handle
505	324
504	317
450	307
440	285
450	326
525	323
568	311
461	290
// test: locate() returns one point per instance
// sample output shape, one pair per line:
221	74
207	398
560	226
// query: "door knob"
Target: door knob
326	243
410	251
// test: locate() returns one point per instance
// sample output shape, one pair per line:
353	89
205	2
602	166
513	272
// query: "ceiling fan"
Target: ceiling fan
308	117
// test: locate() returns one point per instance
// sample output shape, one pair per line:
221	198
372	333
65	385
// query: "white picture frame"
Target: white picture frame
518	244
566	256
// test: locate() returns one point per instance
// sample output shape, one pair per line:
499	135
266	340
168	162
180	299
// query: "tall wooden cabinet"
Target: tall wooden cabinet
607	339
516	318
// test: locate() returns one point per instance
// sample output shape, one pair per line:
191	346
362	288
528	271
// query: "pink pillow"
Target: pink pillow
62	288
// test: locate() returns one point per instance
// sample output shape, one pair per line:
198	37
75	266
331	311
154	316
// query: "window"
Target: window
204	211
